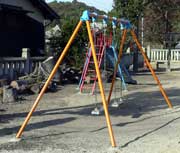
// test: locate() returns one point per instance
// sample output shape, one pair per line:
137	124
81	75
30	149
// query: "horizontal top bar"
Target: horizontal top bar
123	21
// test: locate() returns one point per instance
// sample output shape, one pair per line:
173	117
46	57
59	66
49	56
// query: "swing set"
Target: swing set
86	18
105	46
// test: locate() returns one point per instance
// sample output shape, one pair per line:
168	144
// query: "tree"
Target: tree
162	18
70	14
129	9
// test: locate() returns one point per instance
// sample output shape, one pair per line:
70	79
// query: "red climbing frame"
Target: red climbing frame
101	42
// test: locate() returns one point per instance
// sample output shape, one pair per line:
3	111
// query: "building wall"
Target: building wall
27	5
19	31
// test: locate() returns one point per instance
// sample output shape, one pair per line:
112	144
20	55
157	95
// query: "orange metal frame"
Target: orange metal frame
53	73
147	63
105	103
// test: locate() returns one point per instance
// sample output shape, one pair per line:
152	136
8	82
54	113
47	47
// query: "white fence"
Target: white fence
161	55
175	55
12	66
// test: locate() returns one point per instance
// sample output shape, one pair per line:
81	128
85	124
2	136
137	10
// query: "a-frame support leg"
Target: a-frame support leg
48	80
101	86
117	63
151	69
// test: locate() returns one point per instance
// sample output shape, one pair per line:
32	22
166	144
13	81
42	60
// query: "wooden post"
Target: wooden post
26	55
1	69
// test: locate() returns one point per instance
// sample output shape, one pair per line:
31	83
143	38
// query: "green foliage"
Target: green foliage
160	17
70	14
129	9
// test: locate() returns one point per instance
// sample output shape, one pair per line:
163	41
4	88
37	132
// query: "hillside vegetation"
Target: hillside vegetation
72	10
161	18
70	14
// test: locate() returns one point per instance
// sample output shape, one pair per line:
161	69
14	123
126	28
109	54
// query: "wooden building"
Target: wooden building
22	26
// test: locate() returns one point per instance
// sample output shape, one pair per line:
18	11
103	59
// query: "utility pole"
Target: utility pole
168	42
142	30
135	55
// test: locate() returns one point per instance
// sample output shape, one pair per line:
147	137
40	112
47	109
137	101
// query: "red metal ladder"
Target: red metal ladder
89	76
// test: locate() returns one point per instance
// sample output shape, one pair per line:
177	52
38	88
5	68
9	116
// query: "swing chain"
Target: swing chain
94	20
105	18
114	22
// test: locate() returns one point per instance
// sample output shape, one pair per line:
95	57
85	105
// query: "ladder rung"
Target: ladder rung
92	62
97	54
94	78
91	70
87	87
91	77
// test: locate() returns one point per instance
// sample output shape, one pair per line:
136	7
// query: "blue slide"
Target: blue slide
122	70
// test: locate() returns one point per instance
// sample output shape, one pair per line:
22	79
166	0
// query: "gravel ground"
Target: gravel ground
62	122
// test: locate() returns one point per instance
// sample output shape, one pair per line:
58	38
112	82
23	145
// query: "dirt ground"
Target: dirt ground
63	122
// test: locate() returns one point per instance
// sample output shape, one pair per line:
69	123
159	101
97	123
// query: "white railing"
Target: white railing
158	54
161	55
12	66
175	55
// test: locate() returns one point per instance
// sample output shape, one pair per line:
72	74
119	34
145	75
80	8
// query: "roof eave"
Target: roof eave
47	11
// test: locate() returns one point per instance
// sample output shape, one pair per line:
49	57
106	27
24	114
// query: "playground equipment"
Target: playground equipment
104	45
89	70
86	18
122	72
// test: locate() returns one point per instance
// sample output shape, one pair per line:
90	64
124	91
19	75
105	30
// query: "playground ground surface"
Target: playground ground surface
62	122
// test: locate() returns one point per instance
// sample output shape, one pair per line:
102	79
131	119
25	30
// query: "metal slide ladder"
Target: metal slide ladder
88	79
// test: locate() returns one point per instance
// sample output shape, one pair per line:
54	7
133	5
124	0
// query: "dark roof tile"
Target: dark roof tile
47	11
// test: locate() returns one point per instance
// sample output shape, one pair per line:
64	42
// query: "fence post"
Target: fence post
11	71
1	69
26	55
168	68
149	52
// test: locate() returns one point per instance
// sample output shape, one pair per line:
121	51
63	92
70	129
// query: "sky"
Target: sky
105	5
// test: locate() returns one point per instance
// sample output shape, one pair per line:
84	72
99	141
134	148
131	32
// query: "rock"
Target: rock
8	94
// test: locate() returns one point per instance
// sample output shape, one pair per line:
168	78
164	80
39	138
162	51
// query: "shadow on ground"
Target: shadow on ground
37	125
135	105
137	102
